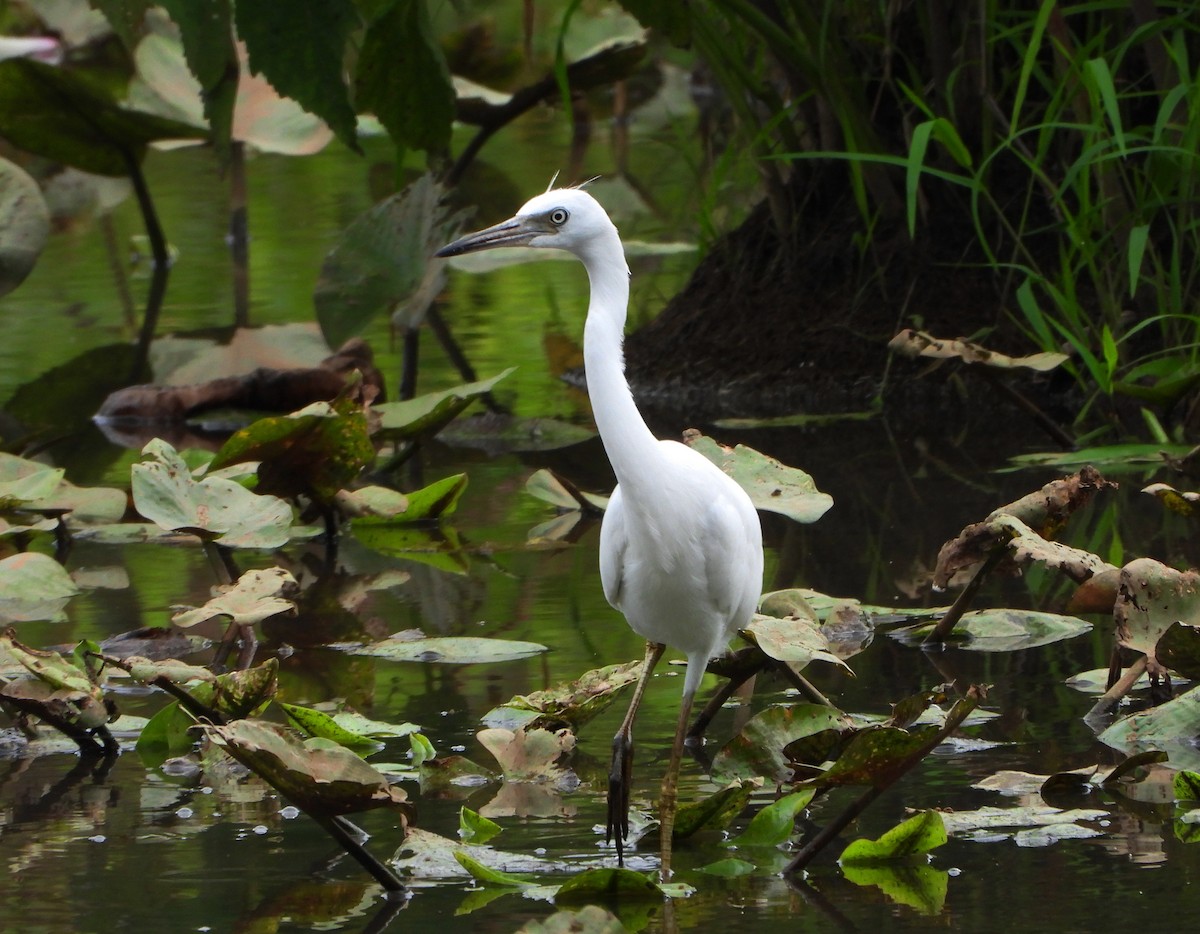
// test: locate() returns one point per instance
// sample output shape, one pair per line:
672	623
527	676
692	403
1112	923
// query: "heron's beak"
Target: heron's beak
517	231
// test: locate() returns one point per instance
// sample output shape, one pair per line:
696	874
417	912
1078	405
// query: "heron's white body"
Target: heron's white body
681	545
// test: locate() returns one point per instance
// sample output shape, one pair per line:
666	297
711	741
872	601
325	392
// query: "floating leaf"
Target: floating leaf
772	825
255	596
425	415
916	836
475	829
728	868
165	492
571	704
528	755
757	750
550	488
33	586
317	775
772	486
489	876
500	433
1006	630
1175	723
605	884
985	821
797	641
447	650
715	811
438	547
319	723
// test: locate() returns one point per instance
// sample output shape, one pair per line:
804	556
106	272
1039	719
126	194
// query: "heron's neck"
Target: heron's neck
630	446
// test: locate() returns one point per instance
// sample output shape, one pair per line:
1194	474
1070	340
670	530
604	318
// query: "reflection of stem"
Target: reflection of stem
946	624
115	264
408	365
239	237
958	713
159	272
437	324
344	833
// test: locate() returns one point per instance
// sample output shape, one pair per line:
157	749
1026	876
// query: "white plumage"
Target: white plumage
680	546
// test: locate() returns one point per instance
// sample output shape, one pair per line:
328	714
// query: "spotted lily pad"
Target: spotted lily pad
528	755
757	750
1005	630
571	704
447	650
317	775
1150	598
715	811
165	492
797	641
772	486
255	596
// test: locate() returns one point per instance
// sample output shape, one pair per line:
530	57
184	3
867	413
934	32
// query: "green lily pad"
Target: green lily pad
916	836
797	641
758	750
33	586
922	888
447	650
425	415
499	433
1167	727
772	486
473	828
773	825
318	723
165	492
438	547
729	868
715	811
604	884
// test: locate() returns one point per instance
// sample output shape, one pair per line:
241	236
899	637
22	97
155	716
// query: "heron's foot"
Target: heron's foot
619	779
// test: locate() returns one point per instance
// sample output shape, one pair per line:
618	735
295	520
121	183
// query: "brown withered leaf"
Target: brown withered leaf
1151	597
1026	526
910	343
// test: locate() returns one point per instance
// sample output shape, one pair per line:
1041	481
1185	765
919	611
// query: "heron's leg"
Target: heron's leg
621	772
670	784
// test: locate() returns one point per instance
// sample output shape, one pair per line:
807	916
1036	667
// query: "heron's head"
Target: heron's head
565	219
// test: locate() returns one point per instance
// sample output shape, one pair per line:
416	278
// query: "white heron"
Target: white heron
680	545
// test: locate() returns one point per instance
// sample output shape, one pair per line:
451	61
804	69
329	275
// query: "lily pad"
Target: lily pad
1005	630
796	641
315	451
318	723
447	650
165	492
499	433
989	824
757	751
474	828
528	755
425	415
254	597
916	836
317	775
773	825
772	486
922	888
33	586
571	704
1150	598
715	811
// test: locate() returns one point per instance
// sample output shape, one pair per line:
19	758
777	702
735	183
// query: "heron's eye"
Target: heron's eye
559	216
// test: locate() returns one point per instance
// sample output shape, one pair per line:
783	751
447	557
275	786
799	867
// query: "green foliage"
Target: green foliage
61	116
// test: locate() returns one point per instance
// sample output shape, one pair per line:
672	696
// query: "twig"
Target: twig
1123	685
946	624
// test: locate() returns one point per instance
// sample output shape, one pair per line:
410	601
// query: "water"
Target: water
135	848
